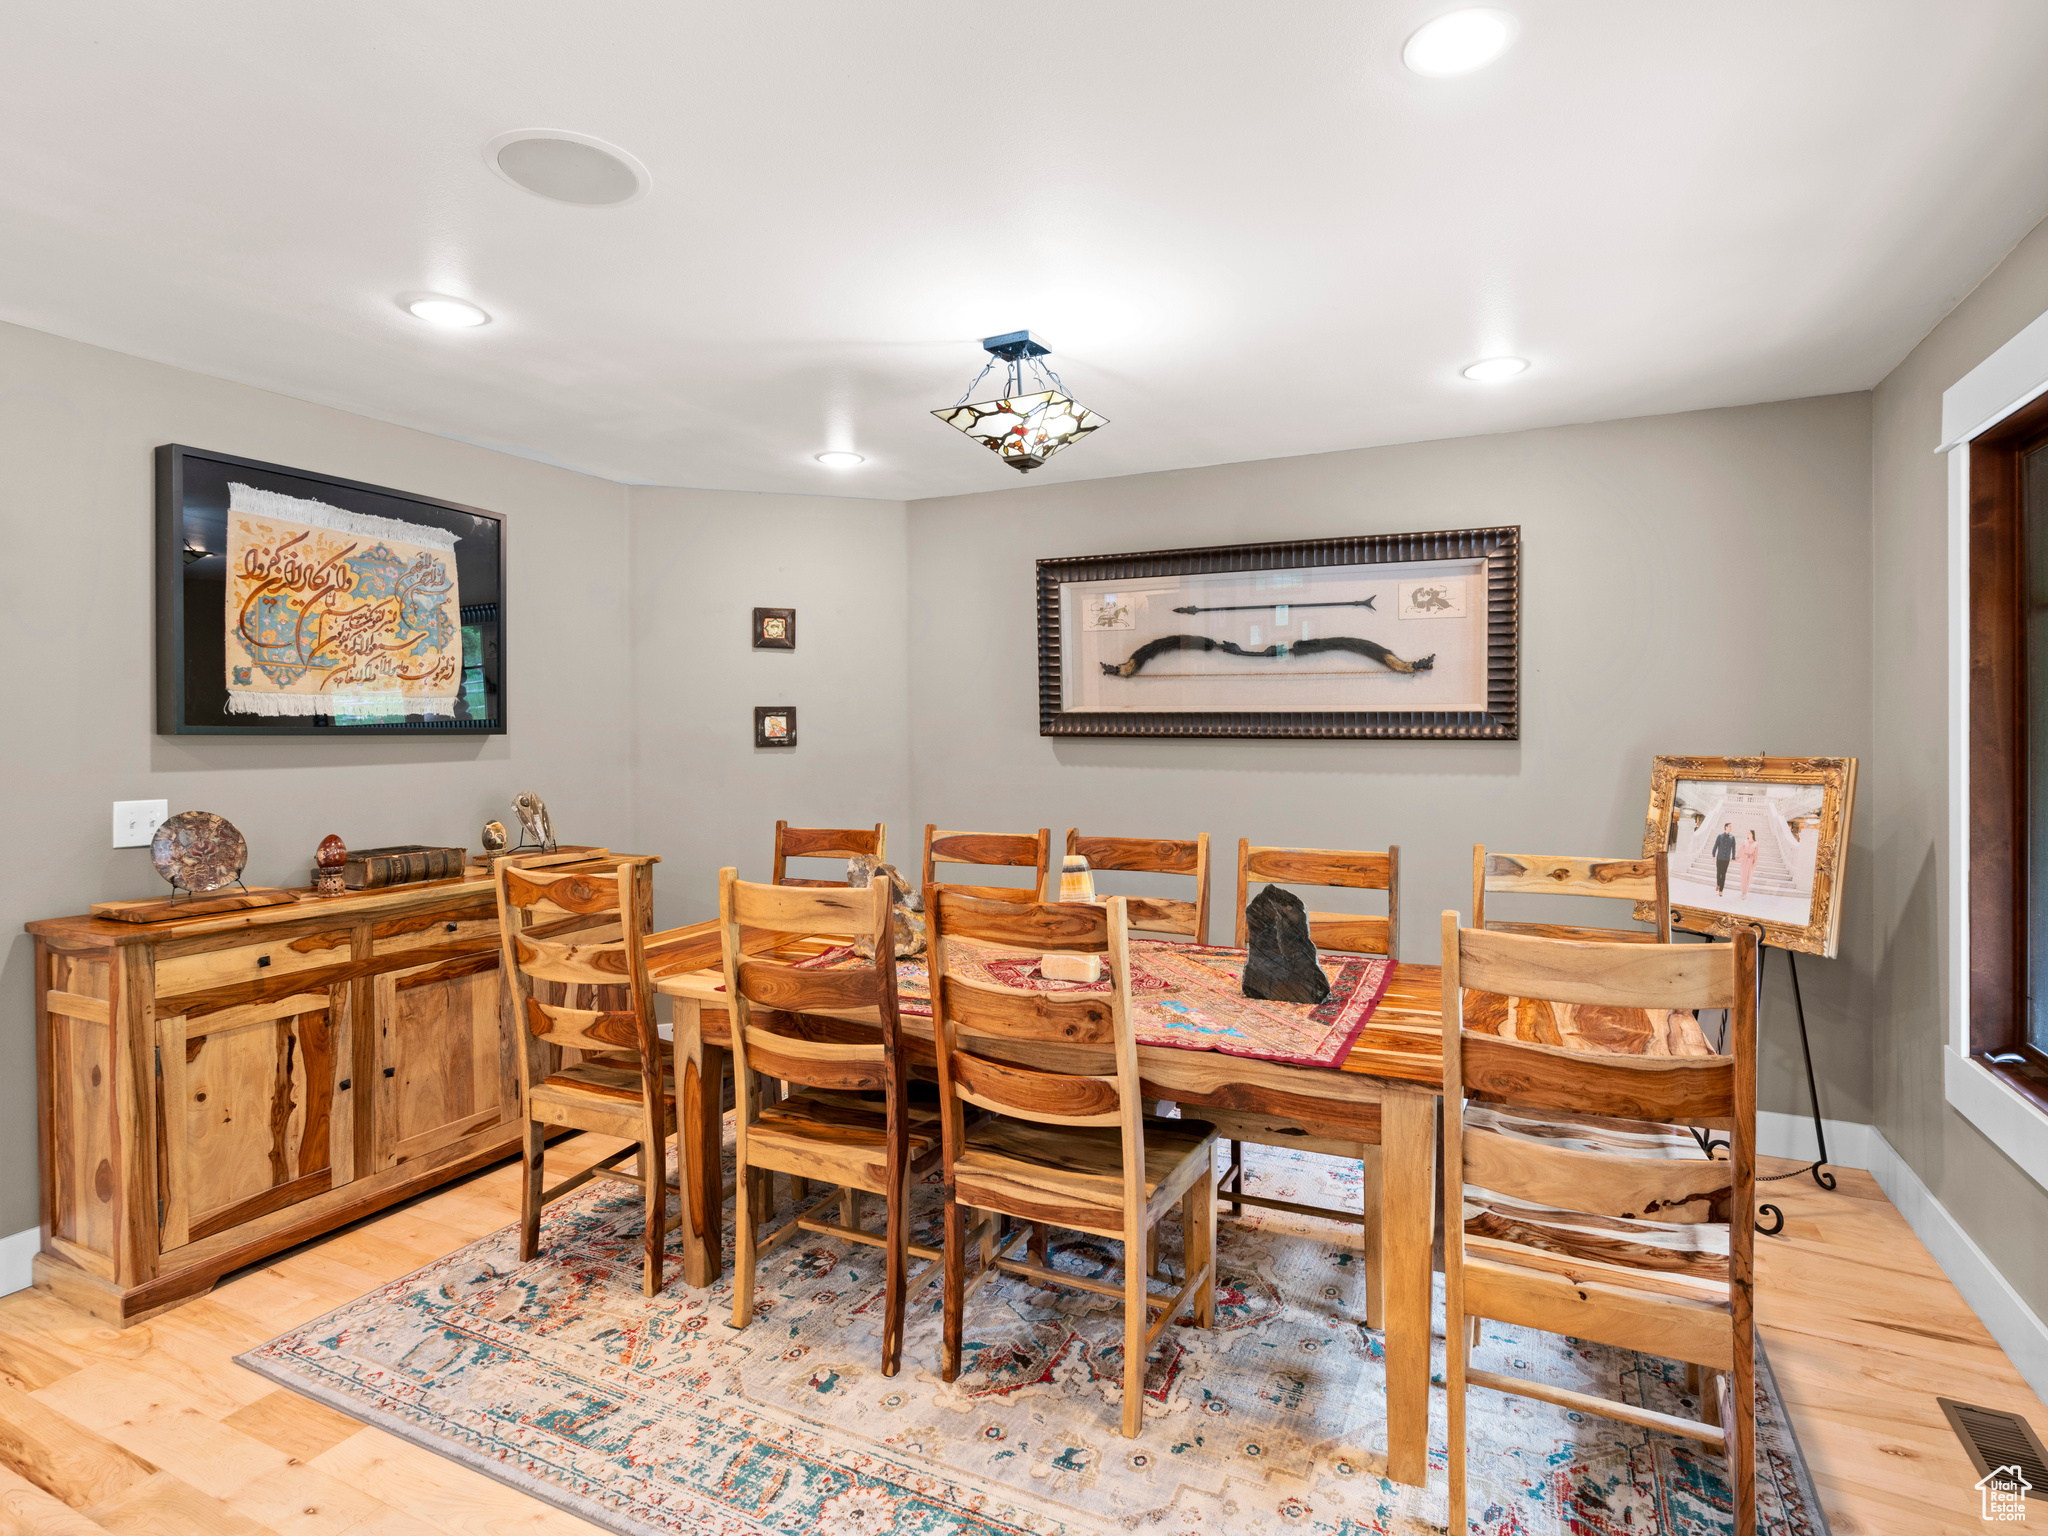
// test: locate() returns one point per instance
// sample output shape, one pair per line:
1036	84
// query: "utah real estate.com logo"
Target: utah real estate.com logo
2005	1493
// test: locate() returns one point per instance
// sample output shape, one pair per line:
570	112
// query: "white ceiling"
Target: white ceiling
1246	230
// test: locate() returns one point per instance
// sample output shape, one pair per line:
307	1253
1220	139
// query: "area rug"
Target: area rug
1187	996
653	1416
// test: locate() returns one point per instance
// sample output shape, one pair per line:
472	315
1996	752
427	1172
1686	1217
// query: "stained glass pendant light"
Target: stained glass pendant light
1023	427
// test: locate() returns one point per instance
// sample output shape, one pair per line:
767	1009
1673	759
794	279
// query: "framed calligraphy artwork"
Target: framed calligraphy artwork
295	603
1383	635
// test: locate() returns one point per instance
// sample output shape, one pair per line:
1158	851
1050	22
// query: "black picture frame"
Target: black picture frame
763	713
763	640
180	708
1498	548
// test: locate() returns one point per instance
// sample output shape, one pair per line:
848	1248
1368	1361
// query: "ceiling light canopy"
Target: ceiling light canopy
1491	370
1459	42
567	167
449	313
1022	428
840	460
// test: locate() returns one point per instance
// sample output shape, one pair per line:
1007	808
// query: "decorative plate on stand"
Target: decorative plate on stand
199	851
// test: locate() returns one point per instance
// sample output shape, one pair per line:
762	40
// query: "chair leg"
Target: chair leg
1037	1244
1371	1244
849	1206
1198	1246
535	1170
894	1275
1152	1254
654	1174
1471	1335
744	1242
1135	1319
1738	1422
1237	1175
1692	1379
955	1285
1454	1400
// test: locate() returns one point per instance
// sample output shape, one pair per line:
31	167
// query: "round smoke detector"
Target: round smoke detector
567	167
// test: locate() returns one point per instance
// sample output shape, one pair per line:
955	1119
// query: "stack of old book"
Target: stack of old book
373	869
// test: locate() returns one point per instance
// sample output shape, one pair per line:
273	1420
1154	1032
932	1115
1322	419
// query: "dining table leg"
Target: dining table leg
1407	1212
700	1143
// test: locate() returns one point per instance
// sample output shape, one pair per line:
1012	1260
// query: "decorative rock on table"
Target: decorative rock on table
1282	966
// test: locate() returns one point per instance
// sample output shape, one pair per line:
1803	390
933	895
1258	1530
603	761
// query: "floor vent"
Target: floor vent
1995	1439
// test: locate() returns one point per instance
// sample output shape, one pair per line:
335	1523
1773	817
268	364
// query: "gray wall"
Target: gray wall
702	561
1993	1199
77	426
1696	583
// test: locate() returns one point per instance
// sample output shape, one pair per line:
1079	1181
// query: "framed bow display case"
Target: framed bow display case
1383	635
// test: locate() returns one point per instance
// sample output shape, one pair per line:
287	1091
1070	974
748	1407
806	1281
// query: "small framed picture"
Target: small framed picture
774	629
775	725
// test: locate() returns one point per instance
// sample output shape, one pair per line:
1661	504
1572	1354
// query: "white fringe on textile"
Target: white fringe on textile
299	509
241	702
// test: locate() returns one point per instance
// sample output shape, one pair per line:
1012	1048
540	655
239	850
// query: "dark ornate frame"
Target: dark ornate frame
788	641
761	714
1501	548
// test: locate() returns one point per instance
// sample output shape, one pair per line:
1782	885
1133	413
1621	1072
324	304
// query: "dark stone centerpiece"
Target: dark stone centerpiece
1282	965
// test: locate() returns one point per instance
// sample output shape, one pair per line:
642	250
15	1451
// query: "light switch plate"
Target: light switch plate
136	821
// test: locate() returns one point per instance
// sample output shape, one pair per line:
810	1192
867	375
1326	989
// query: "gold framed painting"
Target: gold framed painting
1759	842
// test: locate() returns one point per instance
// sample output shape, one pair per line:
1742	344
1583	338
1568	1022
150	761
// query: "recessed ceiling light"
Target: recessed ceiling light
840	460
567	167
1492	370
439	309
1458	43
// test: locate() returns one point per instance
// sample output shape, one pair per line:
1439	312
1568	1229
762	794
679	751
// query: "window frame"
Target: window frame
1991	419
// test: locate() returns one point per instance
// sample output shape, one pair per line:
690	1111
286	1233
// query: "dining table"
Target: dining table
1382	1092
1379	1092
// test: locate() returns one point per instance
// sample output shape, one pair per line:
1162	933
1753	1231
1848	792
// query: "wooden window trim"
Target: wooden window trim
1998	769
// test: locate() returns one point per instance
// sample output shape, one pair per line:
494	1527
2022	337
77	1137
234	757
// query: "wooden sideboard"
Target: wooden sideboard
215	1090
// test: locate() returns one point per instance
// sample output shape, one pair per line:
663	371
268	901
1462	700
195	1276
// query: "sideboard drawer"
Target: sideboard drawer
435	930
251	962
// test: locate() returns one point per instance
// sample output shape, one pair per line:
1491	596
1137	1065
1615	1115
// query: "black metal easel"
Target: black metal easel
1818	1168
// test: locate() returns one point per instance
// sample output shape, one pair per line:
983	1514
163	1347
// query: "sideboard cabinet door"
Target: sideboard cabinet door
444	1067
253	1105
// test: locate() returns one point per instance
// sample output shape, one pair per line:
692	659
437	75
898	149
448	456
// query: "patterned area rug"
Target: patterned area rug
644	1416
1187	996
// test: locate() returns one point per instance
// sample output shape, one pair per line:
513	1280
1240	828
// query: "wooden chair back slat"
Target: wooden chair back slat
578	892
592	965
1365	870
824	843
1527	874
1153	856
1350	932
817	1063
1001	849
1669	1088
582	1029
1056	1098
805	909
1566	1178
798	991
1078	926
1603	975
1048	1016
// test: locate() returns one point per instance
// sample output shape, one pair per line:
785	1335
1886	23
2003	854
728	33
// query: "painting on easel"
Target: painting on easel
1759	841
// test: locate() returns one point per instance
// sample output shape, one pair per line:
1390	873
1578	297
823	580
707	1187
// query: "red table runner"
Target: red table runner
1188	997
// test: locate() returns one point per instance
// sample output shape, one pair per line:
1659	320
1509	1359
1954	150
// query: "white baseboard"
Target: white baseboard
2013	1324
17	1259
1782	1135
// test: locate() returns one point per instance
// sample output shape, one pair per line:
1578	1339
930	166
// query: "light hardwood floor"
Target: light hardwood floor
157	1430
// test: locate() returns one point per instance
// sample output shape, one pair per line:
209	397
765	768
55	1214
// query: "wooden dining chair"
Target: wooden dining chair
573	936
1528	874
828	1127
824	843
1155	856
1345	932
1069	1143
1651	1253
1015	849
